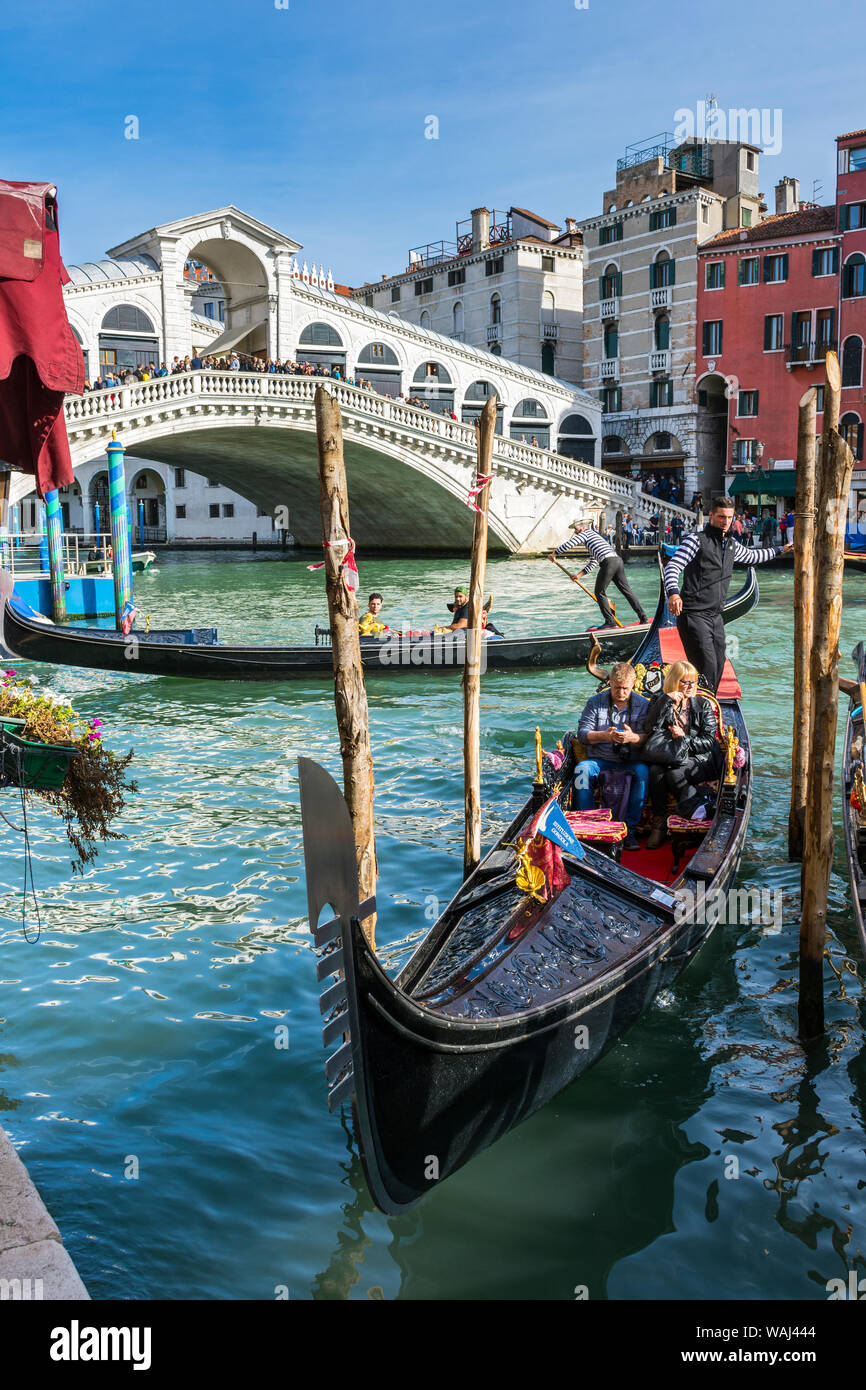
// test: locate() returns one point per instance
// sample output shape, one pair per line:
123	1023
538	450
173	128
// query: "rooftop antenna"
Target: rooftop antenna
817	189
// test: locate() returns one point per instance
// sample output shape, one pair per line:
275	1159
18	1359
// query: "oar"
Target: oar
576	581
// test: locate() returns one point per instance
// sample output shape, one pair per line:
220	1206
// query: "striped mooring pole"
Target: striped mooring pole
121	559
54	527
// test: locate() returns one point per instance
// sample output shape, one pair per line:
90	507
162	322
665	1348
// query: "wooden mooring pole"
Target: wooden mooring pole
485	435
350	693
804	542
834	483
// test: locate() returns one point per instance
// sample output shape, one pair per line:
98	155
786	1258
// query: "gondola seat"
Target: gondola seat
599	829
685	834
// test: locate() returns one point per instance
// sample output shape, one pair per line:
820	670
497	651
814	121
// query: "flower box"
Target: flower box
25	763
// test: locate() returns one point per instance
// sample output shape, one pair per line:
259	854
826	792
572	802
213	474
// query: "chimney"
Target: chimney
480	229
571	226
787	195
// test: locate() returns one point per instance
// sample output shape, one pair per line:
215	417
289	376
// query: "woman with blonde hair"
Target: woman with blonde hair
681	748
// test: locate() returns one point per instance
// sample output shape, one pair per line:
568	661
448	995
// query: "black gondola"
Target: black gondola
506	1000
196	653
854	797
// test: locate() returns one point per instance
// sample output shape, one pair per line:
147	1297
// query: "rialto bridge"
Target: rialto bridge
409	468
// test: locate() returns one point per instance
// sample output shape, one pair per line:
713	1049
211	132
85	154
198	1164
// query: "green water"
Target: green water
138	1033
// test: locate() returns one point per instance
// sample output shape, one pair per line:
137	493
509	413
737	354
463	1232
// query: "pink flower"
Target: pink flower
97	723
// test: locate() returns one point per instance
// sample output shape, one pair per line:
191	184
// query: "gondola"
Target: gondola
507	999
854	563
854	797
196	653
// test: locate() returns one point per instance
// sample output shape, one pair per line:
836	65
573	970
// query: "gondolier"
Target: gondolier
610	568
705	560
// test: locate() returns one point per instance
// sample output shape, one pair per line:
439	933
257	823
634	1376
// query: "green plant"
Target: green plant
96	788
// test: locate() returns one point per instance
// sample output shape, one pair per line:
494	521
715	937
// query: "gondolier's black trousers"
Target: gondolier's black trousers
703	636
612	571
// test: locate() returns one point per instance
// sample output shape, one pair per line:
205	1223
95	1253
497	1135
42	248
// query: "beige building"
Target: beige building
511	283
640	304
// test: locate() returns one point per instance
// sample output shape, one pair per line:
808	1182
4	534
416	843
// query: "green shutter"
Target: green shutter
834	260
784	260
768	319
672	273
766	269
673	217
816	262
741	272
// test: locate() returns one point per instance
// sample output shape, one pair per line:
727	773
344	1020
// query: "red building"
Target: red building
772	299
767	314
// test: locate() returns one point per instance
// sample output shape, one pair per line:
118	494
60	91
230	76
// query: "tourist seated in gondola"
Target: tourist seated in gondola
371	624
612	729
682	749
460	609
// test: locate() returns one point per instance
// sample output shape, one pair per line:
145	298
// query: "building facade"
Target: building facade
851	224
640	306
509	282
767	317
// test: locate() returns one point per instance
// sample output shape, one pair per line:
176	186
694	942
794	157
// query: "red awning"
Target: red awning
40	357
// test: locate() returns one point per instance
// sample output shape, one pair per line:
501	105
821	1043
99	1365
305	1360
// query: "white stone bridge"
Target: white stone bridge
409	469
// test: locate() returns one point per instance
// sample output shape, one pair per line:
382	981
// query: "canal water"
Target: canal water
186	1155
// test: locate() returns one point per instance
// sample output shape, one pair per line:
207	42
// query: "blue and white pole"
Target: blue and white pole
96	522
54	527
120	547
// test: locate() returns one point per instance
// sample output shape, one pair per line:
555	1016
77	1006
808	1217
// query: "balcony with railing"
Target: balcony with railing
660	298
494	332
809	353
660	361
549	329
609	368
609	308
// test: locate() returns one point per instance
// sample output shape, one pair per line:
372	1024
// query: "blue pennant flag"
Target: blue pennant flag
554	827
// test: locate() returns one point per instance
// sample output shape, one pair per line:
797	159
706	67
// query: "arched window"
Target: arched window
854	277
127	340
612	444
379	364
610	284
548	307
377	355
662	333
852	361
662	271
479	391
576	439
431	372
474	399
611	340
529	409
126	318
320	335
433	384
851	431
425	319
458	319
495	309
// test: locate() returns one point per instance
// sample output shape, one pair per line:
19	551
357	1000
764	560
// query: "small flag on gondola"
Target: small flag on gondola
551	823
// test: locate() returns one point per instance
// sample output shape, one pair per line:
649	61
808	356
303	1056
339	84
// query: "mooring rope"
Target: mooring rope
18	760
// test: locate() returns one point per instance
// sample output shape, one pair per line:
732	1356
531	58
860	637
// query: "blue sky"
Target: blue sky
312	118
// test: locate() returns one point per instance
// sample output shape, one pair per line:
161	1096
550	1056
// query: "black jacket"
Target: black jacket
701	739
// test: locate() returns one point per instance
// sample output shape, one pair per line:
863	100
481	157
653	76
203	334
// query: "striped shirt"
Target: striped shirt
593	542
743	555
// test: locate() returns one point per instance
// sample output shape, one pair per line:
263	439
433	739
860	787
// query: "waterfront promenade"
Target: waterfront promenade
34	1263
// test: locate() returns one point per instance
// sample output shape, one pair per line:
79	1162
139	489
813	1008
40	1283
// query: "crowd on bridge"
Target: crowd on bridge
128	376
